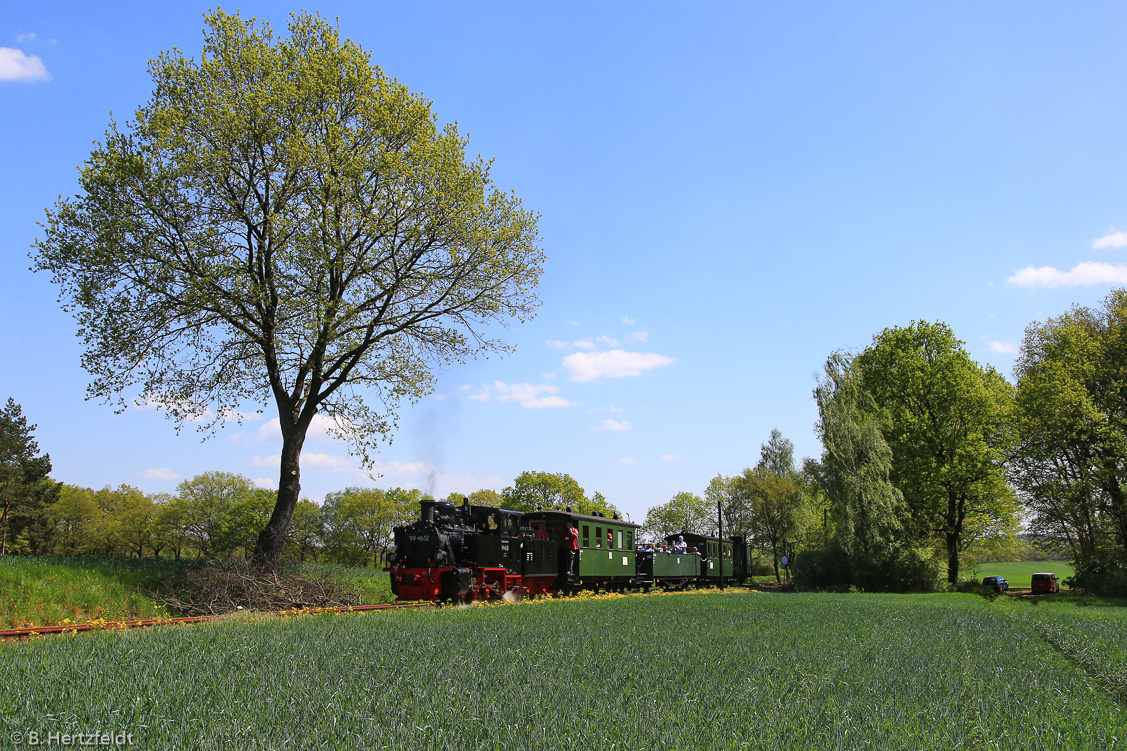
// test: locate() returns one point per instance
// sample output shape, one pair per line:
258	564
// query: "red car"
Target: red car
1044	584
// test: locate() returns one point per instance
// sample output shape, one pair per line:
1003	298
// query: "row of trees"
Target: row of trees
219	515
214	515
926	451
931	461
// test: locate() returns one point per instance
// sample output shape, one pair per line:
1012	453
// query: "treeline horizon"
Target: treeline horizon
218	515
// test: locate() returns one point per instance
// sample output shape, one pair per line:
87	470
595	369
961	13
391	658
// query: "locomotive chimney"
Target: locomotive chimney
428	510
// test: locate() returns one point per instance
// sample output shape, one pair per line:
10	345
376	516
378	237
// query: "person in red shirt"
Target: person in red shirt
571	545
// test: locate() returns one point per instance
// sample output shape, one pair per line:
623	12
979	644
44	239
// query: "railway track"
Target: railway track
103	625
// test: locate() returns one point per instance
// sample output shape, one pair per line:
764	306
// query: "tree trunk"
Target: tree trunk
952	558
4	524
268	549
953	532
775	559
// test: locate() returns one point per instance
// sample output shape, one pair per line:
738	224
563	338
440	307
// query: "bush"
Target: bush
906	570
1106	577
821	569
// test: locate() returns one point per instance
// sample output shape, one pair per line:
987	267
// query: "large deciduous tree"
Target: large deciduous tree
948	426
684	512
533	491
1071	460
283	222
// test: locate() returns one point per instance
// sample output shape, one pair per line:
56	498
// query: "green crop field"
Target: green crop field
701	670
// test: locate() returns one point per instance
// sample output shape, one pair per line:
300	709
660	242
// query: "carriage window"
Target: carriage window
620	539
598	537
586	536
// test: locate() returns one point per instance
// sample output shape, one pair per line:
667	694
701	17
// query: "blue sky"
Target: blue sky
729	192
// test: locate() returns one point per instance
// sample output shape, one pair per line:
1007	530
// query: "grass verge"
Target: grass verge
48	591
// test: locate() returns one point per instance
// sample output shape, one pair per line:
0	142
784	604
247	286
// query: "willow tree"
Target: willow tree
283	223
856	468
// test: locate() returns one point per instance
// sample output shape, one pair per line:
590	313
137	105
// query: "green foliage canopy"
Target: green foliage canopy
532	491
282	222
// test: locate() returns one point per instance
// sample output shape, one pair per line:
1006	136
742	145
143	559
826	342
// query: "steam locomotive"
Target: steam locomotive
461	554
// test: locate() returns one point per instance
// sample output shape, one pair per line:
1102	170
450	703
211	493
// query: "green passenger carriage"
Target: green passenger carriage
606	548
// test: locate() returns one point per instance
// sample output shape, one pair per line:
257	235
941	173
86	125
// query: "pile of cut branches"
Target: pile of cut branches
220	587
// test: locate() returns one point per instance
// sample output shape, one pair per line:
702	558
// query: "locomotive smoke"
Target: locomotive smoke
431	430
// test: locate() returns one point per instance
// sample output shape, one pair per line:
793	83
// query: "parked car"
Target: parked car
996	583
1044	584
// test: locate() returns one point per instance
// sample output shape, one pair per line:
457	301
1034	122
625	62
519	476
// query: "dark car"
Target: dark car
996	583
1044	584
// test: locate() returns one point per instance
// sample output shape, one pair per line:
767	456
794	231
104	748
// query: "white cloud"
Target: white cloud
613	425
15	65
271	431
530	396
547	401
1003	347
312	460
587	345
31	36
1114	240
265	482
348	465
626	460
1089	272
639	336
590	366
159	474
672	457
309	460
628	320
402	469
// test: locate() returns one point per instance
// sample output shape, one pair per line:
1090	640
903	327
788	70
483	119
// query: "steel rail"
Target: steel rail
102	625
